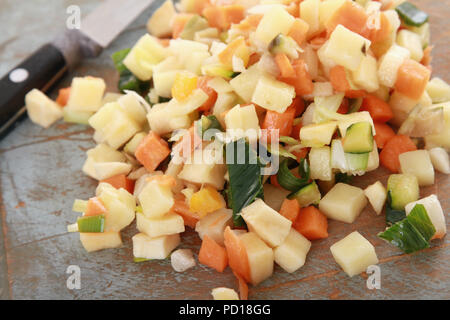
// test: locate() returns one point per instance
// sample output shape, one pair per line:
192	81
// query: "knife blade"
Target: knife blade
51	62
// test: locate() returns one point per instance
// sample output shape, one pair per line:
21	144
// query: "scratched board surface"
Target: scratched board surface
40	176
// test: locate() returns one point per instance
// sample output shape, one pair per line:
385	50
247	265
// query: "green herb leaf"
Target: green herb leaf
420	219
245	183
127	80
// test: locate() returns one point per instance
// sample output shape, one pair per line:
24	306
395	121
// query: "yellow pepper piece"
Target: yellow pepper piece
205	201
185	83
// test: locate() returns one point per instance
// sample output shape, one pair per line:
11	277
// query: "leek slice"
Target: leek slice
138	260
393	215
411	15
79	205
412	233
91	223
289	181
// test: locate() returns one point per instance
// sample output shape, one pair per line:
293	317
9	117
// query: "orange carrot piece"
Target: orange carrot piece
351	16
212	94
63	96
274	181
236	47
221	17
379	110
243	287
163	180
311	223
152	151
299	105
188	143
279	121
426	60
383	133
95	207
302	82
179	22
343	108
285	66
290	209
181	208
121	181
237	254
381	34
254	58
234	13
412	79
293	9
212	254
298	31
301	154
339	81
392	149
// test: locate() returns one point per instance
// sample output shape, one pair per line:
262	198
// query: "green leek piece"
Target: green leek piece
393	215
91	223
412	233
128	81
138	260
289	140
411	15
289	181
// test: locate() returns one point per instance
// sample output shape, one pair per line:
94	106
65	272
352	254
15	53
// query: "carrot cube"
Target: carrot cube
212	254
152	151
121	181
412	79
311	223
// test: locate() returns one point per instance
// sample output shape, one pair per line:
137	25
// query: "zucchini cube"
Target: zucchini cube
268	224
404	188
291	254
343	203
358	138
86	94
354	254
418	163
154	248
170	223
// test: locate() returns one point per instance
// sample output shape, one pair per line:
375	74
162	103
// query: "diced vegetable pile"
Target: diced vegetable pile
320	90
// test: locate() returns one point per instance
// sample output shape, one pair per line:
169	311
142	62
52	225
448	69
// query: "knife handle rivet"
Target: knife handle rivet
18	75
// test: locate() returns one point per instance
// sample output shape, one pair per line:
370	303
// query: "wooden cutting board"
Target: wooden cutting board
40	177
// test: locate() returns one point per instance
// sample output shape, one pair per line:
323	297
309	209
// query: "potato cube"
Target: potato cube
94	241
377	194
418	163
131	105
162	120
309	12
354	253
366	76
160	24
154	248
121	207
438	90
224	294
163	82
412	42
41	109
389	64
132	145
268	224
213	225
439	159
242	122
260	257
434	211
86	94
105	170
168	224
274	22
320	163
245	83
145	54
156	199
346	48
272	94
343	203
291	254
318	134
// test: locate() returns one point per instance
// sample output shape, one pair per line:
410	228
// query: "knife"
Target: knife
52	61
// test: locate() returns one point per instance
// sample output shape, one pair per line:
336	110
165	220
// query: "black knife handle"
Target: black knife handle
41	70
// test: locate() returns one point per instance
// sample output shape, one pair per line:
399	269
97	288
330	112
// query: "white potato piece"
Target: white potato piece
418	163
159	25
412	42
343	203
154	248
224	294
389	64
131	105
435	213
354	254
242	122
291	254
377	194
204	173
41	109
101	153
366	76
318	134
245	83
95	241
182	260
120	205
320	163
274	22
86	94
260	257
213	224
156	200
439	159
272	94
268	224
309	12
168	224
105	170
438	90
